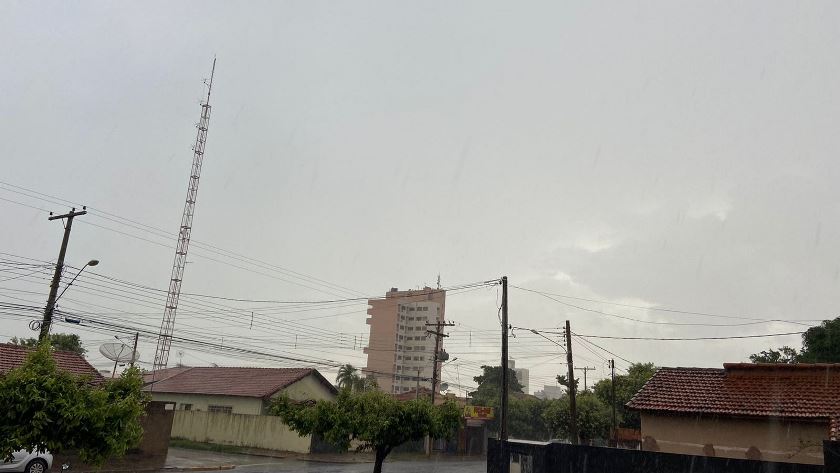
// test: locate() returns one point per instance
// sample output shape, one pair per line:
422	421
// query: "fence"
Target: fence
538	457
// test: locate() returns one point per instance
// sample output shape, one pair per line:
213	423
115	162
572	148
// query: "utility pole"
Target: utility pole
503	416
612	396
438	334
585	369
134	350
573	428
59	267
417	390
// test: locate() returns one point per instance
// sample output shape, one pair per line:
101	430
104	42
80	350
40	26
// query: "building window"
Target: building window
411	309
421	348
408	348
220	409
186	407
422	358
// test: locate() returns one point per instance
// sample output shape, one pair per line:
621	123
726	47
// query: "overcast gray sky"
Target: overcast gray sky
656	154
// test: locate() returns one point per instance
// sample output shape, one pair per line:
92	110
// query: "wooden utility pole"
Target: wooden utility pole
134	350
438	333
612	397
503	416
585	369
573	427
59	267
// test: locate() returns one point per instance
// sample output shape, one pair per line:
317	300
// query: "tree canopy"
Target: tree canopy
43	408
374	418
593	417
820	344
490	385
59	341
626	386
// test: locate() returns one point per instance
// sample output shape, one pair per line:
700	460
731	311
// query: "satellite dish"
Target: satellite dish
117	352
444	387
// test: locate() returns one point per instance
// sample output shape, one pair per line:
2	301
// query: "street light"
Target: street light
92	262
50	308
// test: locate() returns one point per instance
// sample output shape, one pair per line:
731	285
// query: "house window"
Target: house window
186	407
220	409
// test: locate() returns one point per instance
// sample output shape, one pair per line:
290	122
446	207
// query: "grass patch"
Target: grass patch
207	447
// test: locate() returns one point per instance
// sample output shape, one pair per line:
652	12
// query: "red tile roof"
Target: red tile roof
229	381
776	390
13	356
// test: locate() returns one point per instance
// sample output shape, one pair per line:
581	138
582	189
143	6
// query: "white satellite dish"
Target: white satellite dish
119	352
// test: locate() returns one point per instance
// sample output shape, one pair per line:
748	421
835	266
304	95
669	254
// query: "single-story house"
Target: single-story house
772	412
231	390
229	405
13	356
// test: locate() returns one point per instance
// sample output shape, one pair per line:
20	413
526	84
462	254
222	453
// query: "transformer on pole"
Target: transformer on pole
168	323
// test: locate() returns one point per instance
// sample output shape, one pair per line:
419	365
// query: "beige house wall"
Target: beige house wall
242	430
776	440
245	427
240	404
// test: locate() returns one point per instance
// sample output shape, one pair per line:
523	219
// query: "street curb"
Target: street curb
333	460
200	468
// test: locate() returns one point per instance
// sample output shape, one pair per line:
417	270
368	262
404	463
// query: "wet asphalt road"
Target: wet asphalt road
183	458
412	466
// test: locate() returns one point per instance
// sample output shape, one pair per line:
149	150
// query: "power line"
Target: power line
661	309
731	337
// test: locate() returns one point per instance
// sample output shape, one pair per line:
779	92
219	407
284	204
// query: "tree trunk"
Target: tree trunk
381	453
380	457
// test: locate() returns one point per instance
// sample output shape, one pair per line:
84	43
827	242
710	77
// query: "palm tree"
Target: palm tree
346	376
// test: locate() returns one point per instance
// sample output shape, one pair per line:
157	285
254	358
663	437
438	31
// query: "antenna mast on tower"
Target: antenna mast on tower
168	323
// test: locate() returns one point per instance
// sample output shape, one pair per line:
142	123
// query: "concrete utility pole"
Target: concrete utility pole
503	416
573	428
585	369
59	267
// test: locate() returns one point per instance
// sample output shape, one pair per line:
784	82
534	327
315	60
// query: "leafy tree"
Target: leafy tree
490	385
43	408
563	380
374	418
626	386
368	383
784	354
525	418
59	341
820	344
593	417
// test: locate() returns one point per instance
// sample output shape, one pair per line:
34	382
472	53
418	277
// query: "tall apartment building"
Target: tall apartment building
400	353
522	375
